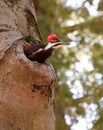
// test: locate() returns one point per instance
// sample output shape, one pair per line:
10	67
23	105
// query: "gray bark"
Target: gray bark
26	87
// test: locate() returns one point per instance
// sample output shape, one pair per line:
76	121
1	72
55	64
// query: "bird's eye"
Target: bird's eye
55	40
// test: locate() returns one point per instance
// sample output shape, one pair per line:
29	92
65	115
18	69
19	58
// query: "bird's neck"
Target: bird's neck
48	46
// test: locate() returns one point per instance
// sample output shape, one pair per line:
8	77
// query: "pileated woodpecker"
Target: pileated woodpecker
40	52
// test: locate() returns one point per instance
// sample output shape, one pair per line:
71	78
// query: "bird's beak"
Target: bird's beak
55	45
58	45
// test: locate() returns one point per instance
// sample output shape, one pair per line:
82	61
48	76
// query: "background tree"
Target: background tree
26	88
79	98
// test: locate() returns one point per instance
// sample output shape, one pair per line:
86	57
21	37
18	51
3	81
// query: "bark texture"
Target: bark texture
26	87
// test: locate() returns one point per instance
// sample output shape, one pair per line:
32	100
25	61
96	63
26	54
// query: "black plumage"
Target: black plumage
37	53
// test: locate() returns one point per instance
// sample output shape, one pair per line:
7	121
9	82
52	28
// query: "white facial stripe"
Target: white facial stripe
59	44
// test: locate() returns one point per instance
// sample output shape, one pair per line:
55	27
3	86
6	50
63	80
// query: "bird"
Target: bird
41	52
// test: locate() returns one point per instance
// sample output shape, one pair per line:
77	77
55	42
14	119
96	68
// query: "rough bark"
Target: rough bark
26	87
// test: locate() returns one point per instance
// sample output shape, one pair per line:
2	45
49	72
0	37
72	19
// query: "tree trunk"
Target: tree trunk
26	87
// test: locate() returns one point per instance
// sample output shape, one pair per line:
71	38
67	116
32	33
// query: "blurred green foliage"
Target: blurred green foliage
79	68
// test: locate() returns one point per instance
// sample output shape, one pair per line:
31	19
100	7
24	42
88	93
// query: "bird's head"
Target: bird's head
53	42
